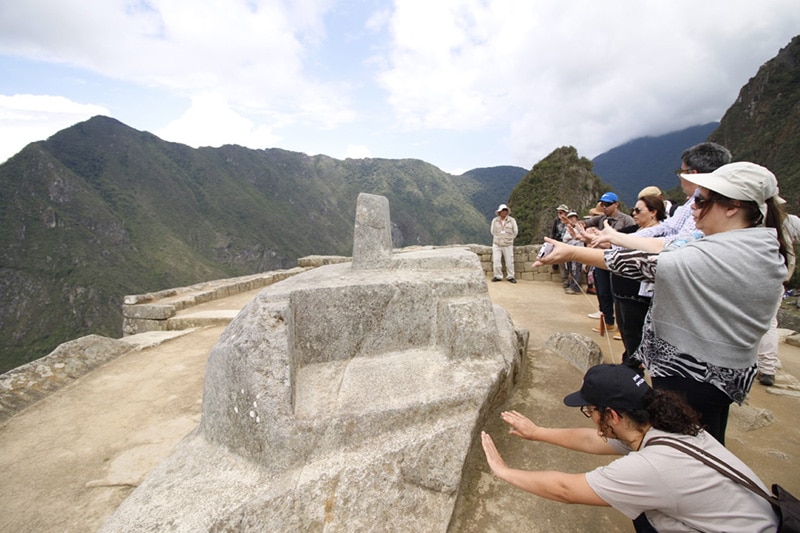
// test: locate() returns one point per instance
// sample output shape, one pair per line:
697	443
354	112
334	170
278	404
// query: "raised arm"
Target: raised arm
558	486
578	439
563	252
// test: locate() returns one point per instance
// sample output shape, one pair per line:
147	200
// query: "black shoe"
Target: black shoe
767	380
496	279
512	280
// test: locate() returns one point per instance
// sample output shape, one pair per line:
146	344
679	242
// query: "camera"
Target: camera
544	250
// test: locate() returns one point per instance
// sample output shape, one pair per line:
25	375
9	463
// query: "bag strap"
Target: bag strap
714	462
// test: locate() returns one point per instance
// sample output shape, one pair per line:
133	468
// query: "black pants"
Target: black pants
630	319
712	404
602	283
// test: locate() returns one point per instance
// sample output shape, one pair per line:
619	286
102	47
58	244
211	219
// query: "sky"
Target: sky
461	84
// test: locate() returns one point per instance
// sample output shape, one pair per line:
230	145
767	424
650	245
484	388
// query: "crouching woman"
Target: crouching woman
657	486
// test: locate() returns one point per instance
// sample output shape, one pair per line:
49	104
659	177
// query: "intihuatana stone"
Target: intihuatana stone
341	401
372	237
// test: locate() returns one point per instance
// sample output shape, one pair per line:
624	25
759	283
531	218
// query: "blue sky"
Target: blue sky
458	83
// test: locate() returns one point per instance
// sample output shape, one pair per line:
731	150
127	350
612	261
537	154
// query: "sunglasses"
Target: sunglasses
606	204
701	202
636	210
684	171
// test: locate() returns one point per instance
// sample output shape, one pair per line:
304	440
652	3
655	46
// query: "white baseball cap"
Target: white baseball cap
740	181
502	206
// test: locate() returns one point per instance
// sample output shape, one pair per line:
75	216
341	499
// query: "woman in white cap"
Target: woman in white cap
714	296
654	484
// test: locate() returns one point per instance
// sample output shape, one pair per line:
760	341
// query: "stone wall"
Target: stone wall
524	256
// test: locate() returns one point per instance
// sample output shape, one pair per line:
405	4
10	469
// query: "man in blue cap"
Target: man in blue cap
609	203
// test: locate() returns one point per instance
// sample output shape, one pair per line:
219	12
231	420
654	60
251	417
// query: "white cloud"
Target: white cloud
460	83
358	151
591	74
211	122
25	118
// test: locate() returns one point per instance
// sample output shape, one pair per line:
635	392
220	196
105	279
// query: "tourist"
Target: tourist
657	486
714	296
504	231
609	203
558	232
573	268
631	297
768	362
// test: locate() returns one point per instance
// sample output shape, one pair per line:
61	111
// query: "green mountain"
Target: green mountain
101	210
763	124
487	188
563	177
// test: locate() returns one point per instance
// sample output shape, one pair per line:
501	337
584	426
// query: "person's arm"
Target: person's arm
628	240
564	252
578	439
558	486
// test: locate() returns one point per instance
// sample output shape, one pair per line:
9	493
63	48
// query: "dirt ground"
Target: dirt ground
69	460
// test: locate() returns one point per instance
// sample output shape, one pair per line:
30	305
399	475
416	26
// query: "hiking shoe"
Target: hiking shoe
596	314
512	280
496	279
609	327
768	380
617	337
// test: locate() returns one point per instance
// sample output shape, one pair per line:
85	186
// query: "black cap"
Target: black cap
615	386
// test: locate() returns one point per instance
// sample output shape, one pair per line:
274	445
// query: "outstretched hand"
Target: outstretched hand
496	463
560	254
605	237
521	426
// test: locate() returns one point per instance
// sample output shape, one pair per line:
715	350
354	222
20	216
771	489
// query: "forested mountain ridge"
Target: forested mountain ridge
100	210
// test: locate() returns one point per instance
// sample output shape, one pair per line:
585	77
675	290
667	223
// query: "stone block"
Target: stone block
372	237
578	349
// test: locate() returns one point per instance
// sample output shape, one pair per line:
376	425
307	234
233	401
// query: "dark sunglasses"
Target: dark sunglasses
701	202
636	210
683	171
606	204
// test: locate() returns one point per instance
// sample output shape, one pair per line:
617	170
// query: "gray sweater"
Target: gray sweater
714	297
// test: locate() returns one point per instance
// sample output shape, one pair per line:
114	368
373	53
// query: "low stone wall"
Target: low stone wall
155	311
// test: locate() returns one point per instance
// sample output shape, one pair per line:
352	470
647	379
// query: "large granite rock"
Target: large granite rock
342	399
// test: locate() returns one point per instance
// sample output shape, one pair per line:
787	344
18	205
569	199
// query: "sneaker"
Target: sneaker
496	279
570	290
512	280
617	337
609	327
595	315
767	380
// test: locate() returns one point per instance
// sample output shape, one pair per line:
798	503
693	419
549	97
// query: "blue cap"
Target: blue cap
609	198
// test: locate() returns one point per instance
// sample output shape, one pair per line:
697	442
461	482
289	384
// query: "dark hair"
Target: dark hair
774	218
654	203
706	157
665	410
754	217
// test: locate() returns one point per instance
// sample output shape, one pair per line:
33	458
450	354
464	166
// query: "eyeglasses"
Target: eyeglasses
587	411
701	202
636	210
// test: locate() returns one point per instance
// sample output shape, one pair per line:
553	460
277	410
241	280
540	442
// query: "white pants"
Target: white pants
507	253
768	349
